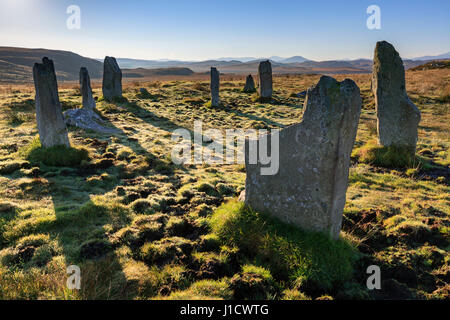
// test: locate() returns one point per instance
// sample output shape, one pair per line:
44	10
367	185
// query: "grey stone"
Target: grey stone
265	79
112	79
49	117
215	84
398	117
86	90
144	92
309	189
249	84
87	119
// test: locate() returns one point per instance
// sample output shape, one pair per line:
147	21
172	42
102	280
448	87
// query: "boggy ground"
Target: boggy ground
141	227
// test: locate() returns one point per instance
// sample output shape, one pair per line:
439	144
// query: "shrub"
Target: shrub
165	250
204	290
178	227
94	248
257	98
208	189
58	156
11	166
194	101
388	157
288	252
15	118
140	206
225	190
253	283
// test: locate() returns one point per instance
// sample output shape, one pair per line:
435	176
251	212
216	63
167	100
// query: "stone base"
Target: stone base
86	119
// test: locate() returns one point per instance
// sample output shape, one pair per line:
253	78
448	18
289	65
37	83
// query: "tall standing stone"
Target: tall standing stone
49	117
249	84
309	189
398	117
86	90
112	79
265	79
215	84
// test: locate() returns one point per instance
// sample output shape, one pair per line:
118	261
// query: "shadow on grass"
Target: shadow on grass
316	263
82	219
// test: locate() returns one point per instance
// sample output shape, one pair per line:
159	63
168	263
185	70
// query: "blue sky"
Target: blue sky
202	29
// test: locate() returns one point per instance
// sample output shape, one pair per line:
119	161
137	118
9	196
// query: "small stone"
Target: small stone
265	79
249	84
112	79
86	90
215	84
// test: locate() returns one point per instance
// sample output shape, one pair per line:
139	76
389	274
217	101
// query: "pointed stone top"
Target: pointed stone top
46	64
111	62
385	52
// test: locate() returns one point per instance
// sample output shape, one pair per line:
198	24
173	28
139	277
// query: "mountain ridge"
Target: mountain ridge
16	65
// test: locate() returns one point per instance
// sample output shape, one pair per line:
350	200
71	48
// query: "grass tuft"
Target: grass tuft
58	156
388	157
289	253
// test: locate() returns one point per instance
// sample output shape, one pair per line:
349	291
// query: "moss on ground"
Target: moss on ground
141	227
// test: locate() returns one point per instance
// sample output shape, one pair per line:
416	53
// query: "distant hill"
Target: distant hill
443	56
16	64
294	59
142	73
435	64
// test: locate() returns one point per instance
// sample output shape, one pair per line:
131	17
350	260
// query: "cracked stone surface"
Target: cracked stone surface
309	190
265	79
398	117
49	117
249	84
112	79
215	85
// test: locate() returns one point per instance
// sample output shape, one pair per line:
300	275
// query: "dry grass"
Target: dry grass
100	213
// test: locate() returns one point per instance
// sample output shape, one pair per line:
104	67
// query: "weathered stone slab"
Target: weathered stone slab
398	117
309	189
112	79
265	79
49	117
249	84
86	118
86	89
215	85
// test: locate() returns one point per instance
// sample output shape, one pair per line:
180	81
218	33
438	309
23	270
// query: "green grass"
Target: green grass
388	157
140	227
289	253
58	156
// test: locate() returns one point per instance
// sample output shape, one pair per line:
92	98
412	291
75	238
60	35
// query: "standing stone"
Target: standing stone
249	84
112	79
215	84
310	186
86	90
265	79
86	118
49	117
398	117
